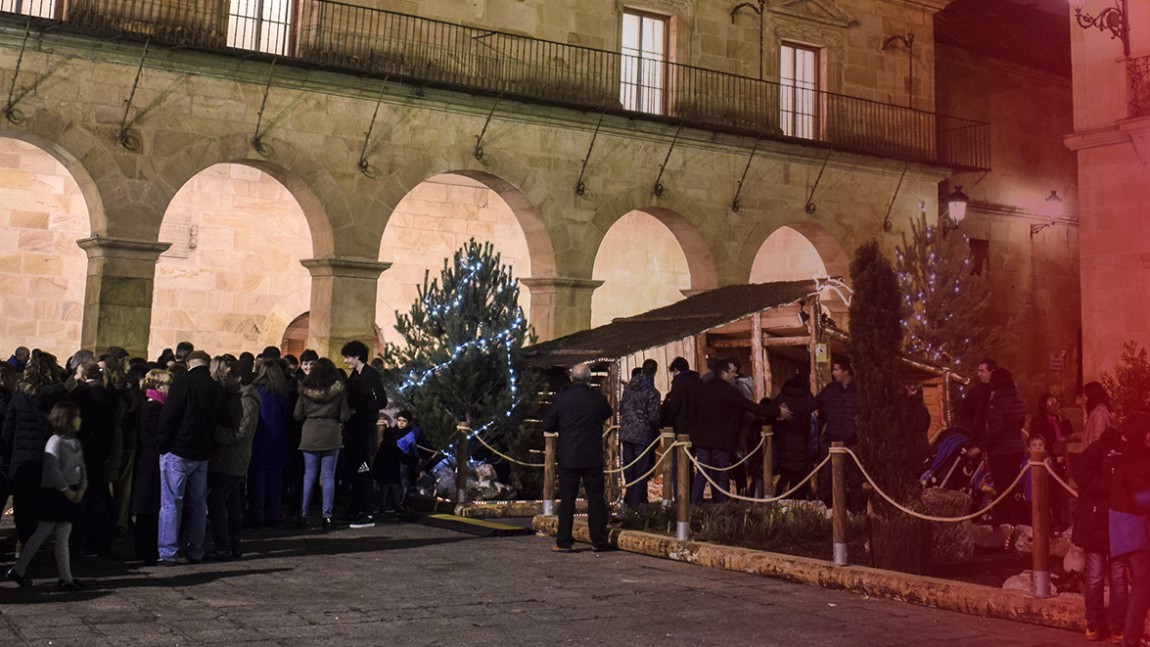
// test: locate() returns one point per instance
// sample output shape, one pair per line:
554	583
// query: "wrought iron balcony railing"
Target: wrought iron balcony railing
1138	72
373	41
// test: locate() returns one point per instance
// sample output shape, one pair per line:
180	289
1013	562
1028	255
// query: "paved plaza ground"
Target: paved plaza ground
407	584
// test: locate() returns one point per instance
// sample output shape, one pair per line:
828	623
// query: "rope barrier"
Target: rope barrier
504	456
608	430
762	441
653	467
752	499
637	459
925	517
1069	488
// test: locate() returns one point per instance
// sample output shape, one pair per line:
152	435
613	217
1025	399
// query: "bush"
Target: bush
1129	385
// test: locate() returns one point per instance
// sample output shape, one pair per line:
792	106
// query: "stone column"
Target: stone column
343	293
118	294
560	306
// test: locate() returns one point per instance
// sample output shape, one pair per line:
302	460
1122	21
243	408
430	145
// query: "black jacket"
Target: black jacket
100	432
366	397
577	415
1004	420
721	405
792	437
194	408
1092	472
680	409
24	434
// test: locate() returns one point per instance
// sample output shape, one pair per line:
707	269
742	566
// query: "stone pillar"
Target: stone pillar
560	306
343	293
118	294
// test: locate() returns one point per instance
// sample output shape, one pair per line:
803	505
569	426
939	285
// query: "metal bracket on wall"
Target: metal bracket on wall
478	152
580	187
126	139
364	165
886	224
811	198
658	189
739	190
10	112
258	138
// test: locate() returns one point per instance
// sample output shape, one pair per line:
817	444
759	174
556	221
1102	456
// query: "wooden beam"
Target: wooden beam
766	341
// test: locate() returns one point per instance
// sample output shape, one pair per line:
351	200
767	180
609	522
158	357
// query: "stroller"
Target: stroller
951	468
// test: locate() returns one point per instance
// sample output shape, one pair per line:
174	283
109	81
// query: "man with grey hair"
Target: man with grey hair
577	415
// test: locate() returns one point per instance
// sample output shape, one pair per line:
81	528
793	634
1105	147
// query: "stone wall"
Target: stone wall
642	268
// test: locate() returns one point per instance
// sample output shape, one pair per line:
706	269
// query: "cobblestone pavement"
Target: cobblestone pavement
406	584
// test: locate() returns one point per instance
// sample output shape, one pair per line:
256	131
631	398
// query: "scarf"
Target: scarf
156	395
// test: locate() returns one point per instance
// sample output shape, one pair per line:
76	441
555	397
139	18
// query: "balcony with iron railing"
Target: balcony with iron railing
431	52
1138	74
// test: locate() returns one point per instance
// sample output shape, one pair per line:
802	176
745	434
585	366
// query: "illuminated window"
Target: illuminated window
644	71
37	8
260	25
798	94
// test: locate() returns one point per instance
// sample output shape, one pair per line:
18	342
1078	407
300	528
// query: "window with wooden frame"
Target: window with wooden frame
643	62
799	90
261	25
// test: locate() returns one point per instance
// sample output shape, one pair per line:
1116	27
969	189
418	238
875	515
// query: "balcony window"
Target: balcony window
644	57
36	8
260	25
798	91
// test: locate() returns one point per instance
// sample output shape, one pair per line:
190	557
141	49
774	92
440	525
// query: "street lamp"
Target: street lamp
1052	209
955	210
1113	19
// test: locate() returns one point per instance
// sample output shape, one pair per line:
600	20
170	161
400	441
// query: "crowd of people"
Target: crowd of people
110	446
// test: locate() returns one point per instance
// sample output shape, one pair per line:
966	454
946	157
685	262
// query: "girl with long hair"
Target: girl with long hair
269	448
323	408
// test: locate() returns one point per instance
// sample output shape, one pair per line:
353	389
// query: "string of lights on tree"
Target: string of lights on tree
945	305
463	336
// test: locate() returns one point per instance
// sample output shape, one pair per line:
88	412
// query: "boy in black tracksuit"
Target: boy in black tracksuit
388	473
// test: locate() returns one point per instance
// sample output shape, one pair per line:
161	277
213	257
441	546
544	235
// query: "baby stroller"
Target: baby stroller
951	468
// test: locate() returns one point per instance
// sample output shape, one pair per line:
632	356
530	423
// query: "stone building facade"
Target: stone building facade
378	136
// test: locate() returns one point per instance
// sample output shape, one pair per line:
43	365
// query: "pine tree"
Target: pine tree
464	334
890	447
945	306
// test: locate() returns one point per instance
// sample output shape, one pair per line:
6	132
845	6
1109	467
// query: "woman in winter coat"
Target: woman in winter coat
323	408
1129	516
1003	442
231	456
24	435
1093	472
1099	415
270	446
146	480
794	450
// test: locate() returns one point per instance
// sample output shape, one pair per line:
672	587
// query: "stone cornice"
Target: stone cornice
559	283
932	6
1098	138
357	268
102	246
1138	130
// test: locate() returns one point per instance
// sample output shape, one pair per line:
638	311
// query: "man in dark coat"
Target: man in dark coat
794	450
638	428
1003	443
838	406
577	415
366	397
716	433
1092	472
187	425
976	402
100	436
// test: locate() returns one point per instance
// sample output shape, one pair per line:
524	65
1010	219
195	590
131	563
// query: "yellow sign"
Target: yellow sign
822	355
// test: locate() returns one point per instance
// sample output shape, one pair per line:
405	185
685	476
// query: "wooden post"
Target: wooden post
839	504
759	373
611	460
549	439
1040	518
683	493
462	457
768	461
668	436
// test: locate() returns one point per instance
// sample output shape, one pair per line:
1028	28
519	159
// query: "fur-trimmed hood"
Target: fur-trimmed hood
323	395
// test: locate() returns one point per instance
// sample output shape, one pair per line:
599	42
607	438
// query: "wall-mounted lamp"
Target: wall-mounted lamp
955	210
1112	19
1052	208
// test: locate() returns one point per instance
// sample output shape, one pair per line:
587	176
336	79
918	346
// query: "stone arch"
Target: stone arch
685	222
802	251
522	193
830	250
324	201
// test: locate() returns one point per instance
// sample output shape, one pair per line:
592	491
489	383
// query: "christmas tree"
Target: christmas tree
460	364
945	305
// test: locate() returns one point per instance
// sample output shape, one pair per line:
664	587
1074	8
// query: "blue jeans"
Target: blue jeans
1097	570
1139	600
324	462
182	483
636	495
713	458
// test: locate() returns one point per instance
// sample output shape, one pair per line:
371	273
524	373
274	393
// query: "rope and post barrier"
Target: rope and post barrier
768	444
668	439
838	505
549	439
1040	521
683	489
